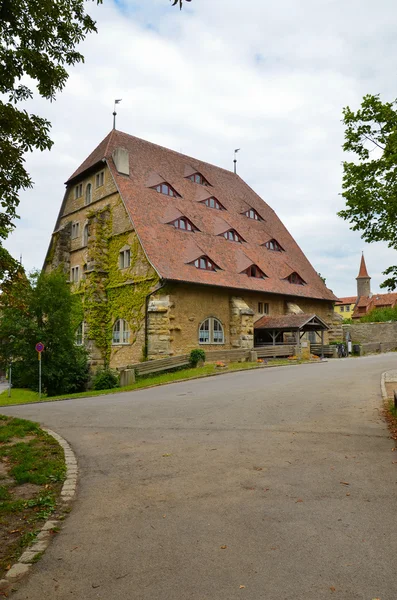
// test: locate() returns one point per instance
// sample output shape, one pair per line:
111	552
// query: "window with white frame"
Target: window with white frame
78	191
79	336
74	274
121	332
88	194
211	332
125	258
99	179
75	230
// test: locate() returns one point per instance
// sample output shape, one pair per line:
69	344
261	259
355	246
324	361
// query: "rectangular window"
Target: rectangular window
78	191
99	179
74	274
263	308
342	309
75	230
347	307
125	259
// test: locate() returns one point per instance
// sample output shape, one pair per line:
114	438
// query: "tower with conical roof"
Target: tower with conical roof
363	280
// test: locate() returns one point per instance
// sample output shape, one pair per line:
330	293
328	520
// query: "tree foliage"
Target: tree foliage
180	2
38	42
370	180
42	309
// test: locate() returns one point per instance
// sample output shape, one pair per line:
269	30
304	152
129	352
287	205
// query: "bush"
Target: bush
196	356
105	379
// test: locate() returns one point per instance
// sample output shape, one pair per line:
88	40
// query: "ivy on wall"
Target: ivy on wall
107	292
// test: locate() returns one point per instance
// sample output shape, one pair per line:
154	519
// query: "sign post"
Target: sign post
39	350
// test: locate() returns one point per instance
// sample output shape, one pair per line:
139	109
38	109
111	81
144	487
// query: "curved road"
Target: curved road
252	461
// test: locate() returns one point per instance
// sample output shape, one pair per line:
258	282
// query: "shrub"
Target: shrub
105	379
195	356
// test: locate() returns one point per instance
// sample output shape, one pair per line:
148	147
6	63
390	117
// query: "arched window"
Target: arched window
85	235
121	332
88	194
79	335
211	332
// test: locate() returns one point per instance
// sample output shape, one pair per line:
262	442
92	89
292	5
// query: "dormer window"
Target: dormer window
213	203
198	178
252	214
254	271
295	279
166	189
184	224
232	236
204	263
273	245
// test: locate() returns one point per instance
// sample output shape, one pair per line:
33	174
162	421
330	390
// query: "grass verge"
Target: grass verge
391	417
32	469
23	396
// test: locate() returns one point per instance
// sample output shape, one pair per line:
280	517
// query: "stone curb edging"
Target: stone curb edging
387	376
27	559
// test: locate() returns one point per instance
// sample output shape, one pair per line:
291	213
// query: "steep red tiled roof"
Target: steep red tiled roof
170	250
375	301
363	269
347	300
284	322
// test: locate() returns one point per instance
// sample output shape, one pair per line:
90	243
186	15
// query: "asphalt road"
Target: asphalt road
290	468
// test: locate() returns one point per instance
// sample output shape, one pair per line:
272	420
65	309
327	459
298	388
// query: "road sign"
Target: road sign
40	347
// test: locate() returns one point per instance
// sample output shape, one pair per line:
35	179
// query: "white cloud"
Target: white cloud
268	77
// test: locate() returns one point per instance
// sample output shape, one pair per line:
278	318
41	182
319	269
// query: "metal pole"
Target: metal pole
39	353
9	379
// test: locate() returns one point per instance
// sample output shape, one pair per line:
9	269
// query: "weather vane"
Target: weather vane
235	159
114	112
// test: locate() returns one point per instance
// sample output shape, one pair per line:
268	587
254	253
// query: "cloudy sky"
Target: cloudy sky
268	77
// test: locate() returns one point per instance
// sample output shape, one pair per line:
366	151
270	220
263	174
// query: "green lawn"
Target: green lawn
30	482
22	396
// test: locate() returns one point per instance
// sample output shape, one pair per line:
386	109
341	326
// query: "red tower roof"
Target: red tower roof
363	269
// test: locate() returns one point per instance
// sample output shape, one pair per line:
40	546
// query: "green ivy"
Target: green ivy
108	293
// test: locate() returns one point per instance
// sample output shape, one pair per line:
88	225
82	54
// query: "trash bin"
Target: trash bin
357	349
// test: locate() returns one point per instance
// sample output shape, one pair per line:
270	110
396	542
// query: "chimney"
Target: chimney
121	160
363	280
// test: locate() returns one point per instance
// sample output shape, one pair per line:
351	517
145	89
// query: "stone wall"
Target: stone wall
374	337
176	313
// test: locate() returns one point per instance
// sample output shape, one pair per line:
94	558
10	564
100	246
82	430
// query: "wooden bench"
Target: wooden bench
274	351
162	364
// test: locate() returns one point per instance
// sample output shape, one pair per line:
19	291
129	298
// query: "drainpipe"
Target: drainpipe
162	284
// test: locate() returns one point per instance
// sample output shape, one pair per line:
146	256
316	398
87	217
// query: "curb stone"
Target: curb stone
68	492
389	377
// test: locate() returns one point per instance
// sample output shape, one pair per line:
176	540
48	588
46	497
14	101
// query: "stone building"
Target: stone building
170	253
355	307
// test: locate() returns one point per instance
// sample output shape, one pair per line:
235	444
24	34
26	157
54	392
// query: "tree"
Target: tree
370	182
180	2
48	313
38	41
